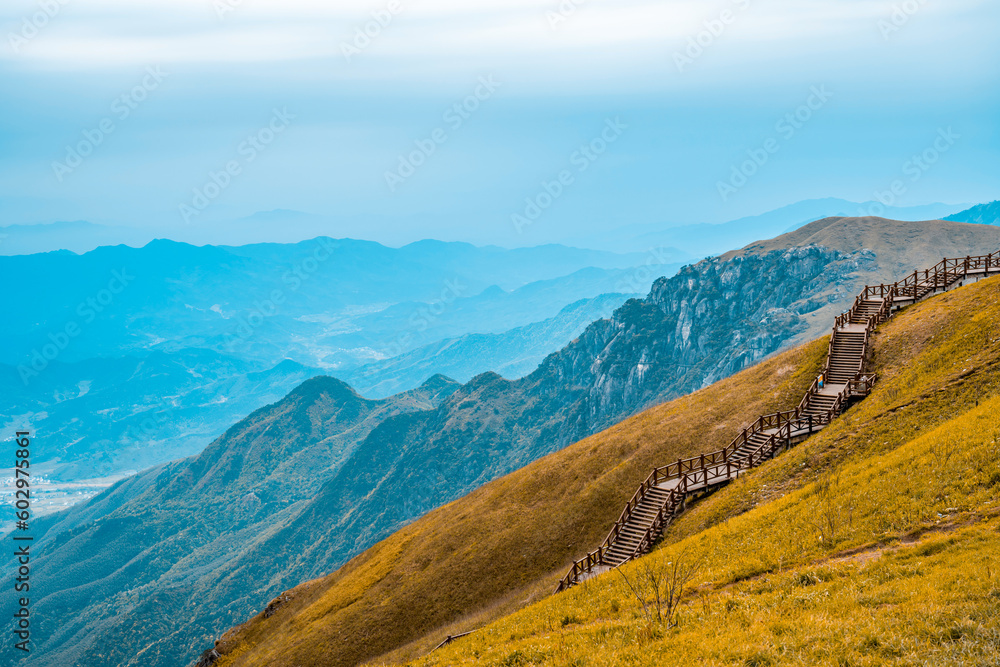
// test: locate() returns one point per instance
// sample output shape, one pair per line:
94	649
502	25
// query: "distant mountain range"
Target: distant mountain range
297	488
325	303
685	241
130	357
108	416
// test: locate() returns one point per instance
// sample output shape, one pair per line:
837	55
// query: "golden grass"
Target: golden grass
503	547
827	568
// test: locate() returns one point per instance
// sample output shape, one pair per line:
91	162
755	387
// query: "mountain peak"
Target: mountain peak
438	381
324	384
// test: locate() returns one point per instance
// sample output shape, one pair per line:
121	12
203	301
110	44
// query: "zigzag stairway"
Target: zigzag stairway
846	378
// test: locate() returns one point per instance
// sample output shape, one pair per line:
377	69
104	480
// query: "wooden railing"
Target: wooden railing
941	276
710	470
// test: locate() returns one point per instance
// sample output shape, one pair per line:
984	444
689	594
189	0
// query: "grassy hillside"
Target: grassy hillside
886	517
508	542
900	246
886	250
876	542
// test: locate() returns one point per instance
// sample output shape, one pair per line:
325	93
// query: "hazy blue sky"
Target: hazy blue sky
893	79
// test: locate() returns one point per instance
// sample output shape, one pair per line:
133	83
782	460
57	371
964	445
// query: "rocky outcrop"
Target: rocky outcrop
706	323
208	658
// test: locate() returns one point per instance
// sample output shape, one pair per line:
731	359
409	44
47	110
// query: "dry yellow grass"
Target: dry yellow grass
876	543
503	547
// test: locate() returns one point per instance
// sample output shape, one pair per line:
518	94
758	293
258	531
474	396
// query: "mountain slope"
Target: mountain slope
892	249
904	246
509	542
983	214
493	547
873	544
708	239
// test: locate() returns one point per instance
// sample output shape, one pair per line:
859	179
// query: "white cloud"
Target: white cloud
438	38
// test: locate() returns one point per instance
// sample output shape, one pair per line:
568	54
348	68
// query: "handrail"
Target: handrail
699	472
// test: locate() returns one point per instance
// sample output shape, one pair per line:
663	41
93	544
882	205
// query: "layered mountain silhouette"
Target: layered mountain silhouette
324	302
130	357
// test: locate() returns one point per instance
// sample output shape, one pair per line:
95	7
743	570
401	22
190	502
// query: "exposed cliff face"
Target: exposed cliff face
708	322
364	468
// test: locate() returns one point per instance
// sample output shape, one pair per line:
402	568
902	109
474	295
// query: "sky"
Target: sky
514	122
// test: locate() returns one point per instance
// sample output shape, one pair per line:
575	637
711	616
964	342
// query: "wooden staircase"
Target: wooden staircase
847	354
664	493
643	517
